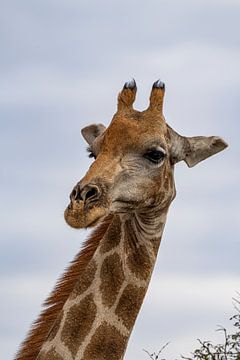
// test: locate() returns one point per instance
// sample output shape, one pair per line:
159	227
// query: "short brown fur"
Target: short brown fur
129	304
112	277
50	355
78	323
107	343
113	236
85	281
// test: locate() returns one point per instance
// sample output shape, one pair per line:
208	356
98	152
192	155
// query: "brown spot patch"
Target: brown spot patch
130	238
107	343
112	277
129	304
49	355
85	280
139	262
56	325
78	323
113	235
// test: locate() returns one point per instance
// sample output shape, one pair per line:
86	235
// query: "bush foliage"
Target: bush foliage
229	349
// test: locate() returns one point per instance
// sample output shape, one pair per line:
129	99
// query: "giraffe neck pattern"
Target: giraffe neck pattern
97	319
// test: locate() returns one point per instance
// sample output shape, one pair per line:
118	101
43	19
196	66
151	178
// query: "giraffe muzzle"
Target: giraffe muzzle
87	205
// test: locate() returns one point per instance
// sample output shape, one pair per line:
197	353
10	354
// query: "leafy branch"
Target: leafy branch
229	349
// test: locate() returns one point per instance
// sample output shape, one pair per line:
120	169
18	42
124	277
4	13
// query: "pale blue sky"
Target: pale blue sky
62	64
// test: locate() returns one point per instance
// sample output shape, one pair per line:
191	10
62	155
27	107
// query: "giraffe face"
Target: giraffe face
134	160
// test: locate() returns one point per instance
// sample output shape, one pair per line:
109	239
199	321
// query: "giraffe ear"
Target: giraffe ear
91	132
194	149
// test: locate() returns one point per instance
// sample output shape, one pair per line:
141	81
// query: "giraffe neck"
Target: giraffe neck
97	319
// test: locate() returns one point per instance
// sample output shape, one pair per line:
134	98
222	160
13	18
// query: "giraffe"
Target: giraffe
125	195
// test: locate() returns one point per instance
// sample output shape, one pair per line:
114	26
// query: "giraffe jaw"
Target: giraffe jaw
78	216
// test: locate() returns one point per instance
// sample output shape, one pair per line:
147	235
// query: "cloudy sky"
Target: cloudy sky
62	64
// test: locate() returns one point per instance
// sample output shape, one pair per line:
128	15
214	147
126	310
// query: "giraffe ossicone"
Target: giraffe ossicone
127	191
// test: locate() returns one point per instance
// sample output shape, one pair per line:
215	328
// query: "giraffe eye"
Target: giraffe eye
154	155
91	153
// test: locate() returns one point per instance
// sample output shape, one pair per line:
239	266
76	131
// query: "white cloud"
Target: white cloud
44	86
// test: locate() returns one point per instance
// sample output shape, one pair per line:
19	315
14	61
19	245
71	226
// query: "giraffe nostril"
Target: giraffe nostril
75	194
90	192
87	193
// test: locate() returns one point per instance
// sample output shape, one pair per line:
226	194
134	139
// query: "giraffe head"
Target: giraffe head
134	160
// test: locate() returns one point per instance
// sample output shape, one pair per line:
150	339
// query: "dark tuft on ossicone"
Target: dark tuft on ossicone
130	84
159	84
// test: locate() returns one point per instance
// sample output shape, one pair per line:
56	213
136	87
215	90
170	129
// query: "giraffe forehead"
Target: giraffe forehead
134	130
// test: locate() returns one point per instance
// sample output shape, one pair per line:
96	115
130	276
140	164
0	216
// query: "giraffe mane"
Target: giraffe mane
31	346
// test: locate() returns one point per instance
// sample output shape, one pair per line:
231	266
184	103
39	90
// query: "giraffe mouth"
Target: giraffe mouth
78	215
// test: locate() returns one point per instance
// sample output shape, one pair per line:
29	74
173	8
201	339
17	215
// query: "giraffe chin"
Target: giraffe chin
78	217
